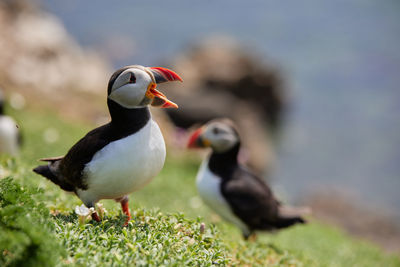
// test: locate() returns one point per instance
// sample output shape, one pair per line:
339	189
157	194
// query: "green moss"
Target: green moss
27	235
151	238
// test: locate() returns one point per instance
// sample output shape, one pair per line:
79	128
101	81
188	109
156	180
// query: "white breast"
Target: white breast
208	186
125	165
8	135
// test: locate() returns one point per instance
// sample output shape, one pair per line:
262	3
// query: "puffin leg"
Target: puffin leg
95	216
125	208
250	236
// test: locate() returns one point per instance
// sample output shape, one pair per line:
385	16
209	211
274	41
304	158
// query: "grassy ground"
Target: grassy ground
158	234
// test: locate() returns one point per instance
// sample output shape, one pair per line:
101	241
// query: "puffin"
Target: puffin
231	189
122	156
10	136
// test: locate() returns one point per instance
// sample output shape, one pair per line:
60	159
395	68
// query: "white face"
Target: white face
221	137
129	89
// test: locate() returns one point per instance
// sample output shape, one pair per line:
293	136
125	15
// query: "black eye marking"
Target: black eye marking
215	130
132	79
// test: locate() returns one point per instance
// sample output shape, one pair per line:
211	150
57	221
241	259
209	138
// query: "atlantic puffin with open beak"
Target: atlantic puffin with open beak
122	156
232	190
10	136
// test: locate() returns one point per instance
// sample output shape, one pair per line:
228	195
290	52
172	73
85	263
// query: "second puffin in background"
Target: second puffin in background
233	191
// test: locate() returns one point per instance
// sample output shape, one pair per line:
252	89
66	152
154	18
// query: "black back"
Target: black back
248	196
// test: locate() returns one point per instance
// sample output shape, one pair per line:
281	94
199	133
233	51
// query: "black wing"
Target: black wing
250	199
72	165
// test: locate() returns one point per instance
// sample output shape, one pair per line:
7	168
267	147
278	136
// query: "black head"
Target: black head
220	134
135	86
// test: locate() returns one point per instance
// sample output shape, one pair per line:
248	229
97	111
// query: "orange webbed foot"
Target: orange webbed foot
125	209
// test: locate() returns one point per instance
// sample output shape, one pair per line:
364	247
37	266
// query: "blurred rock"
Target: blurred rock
39	58
220	65
221	79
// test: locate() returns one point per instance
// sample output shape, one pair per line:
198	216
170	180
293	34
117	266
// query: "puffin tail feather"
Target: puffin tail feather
46	172
286	222
289	216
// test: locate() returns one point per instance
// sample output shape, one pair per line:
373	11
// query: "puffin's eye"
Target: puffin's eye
132	79
215	130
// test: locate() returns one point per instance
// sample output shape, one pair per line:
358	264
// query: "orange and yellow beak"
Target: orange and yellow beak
196	140
158	98
161	75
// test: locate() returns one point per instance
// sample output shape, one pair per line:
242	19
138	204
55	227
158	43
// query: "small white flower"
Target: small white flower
83	212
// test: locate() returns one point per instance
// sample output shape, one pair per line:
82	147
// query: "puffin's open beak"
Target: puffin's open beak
161	75
197	141
158	98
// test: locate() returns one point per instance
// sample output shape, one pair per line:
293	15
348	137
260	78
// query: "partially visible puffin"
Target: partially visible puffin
123	155
232	190
10	136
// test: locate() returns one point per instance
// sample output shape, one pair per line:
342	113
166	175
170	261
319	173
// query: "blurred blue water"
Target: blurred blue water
341	59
